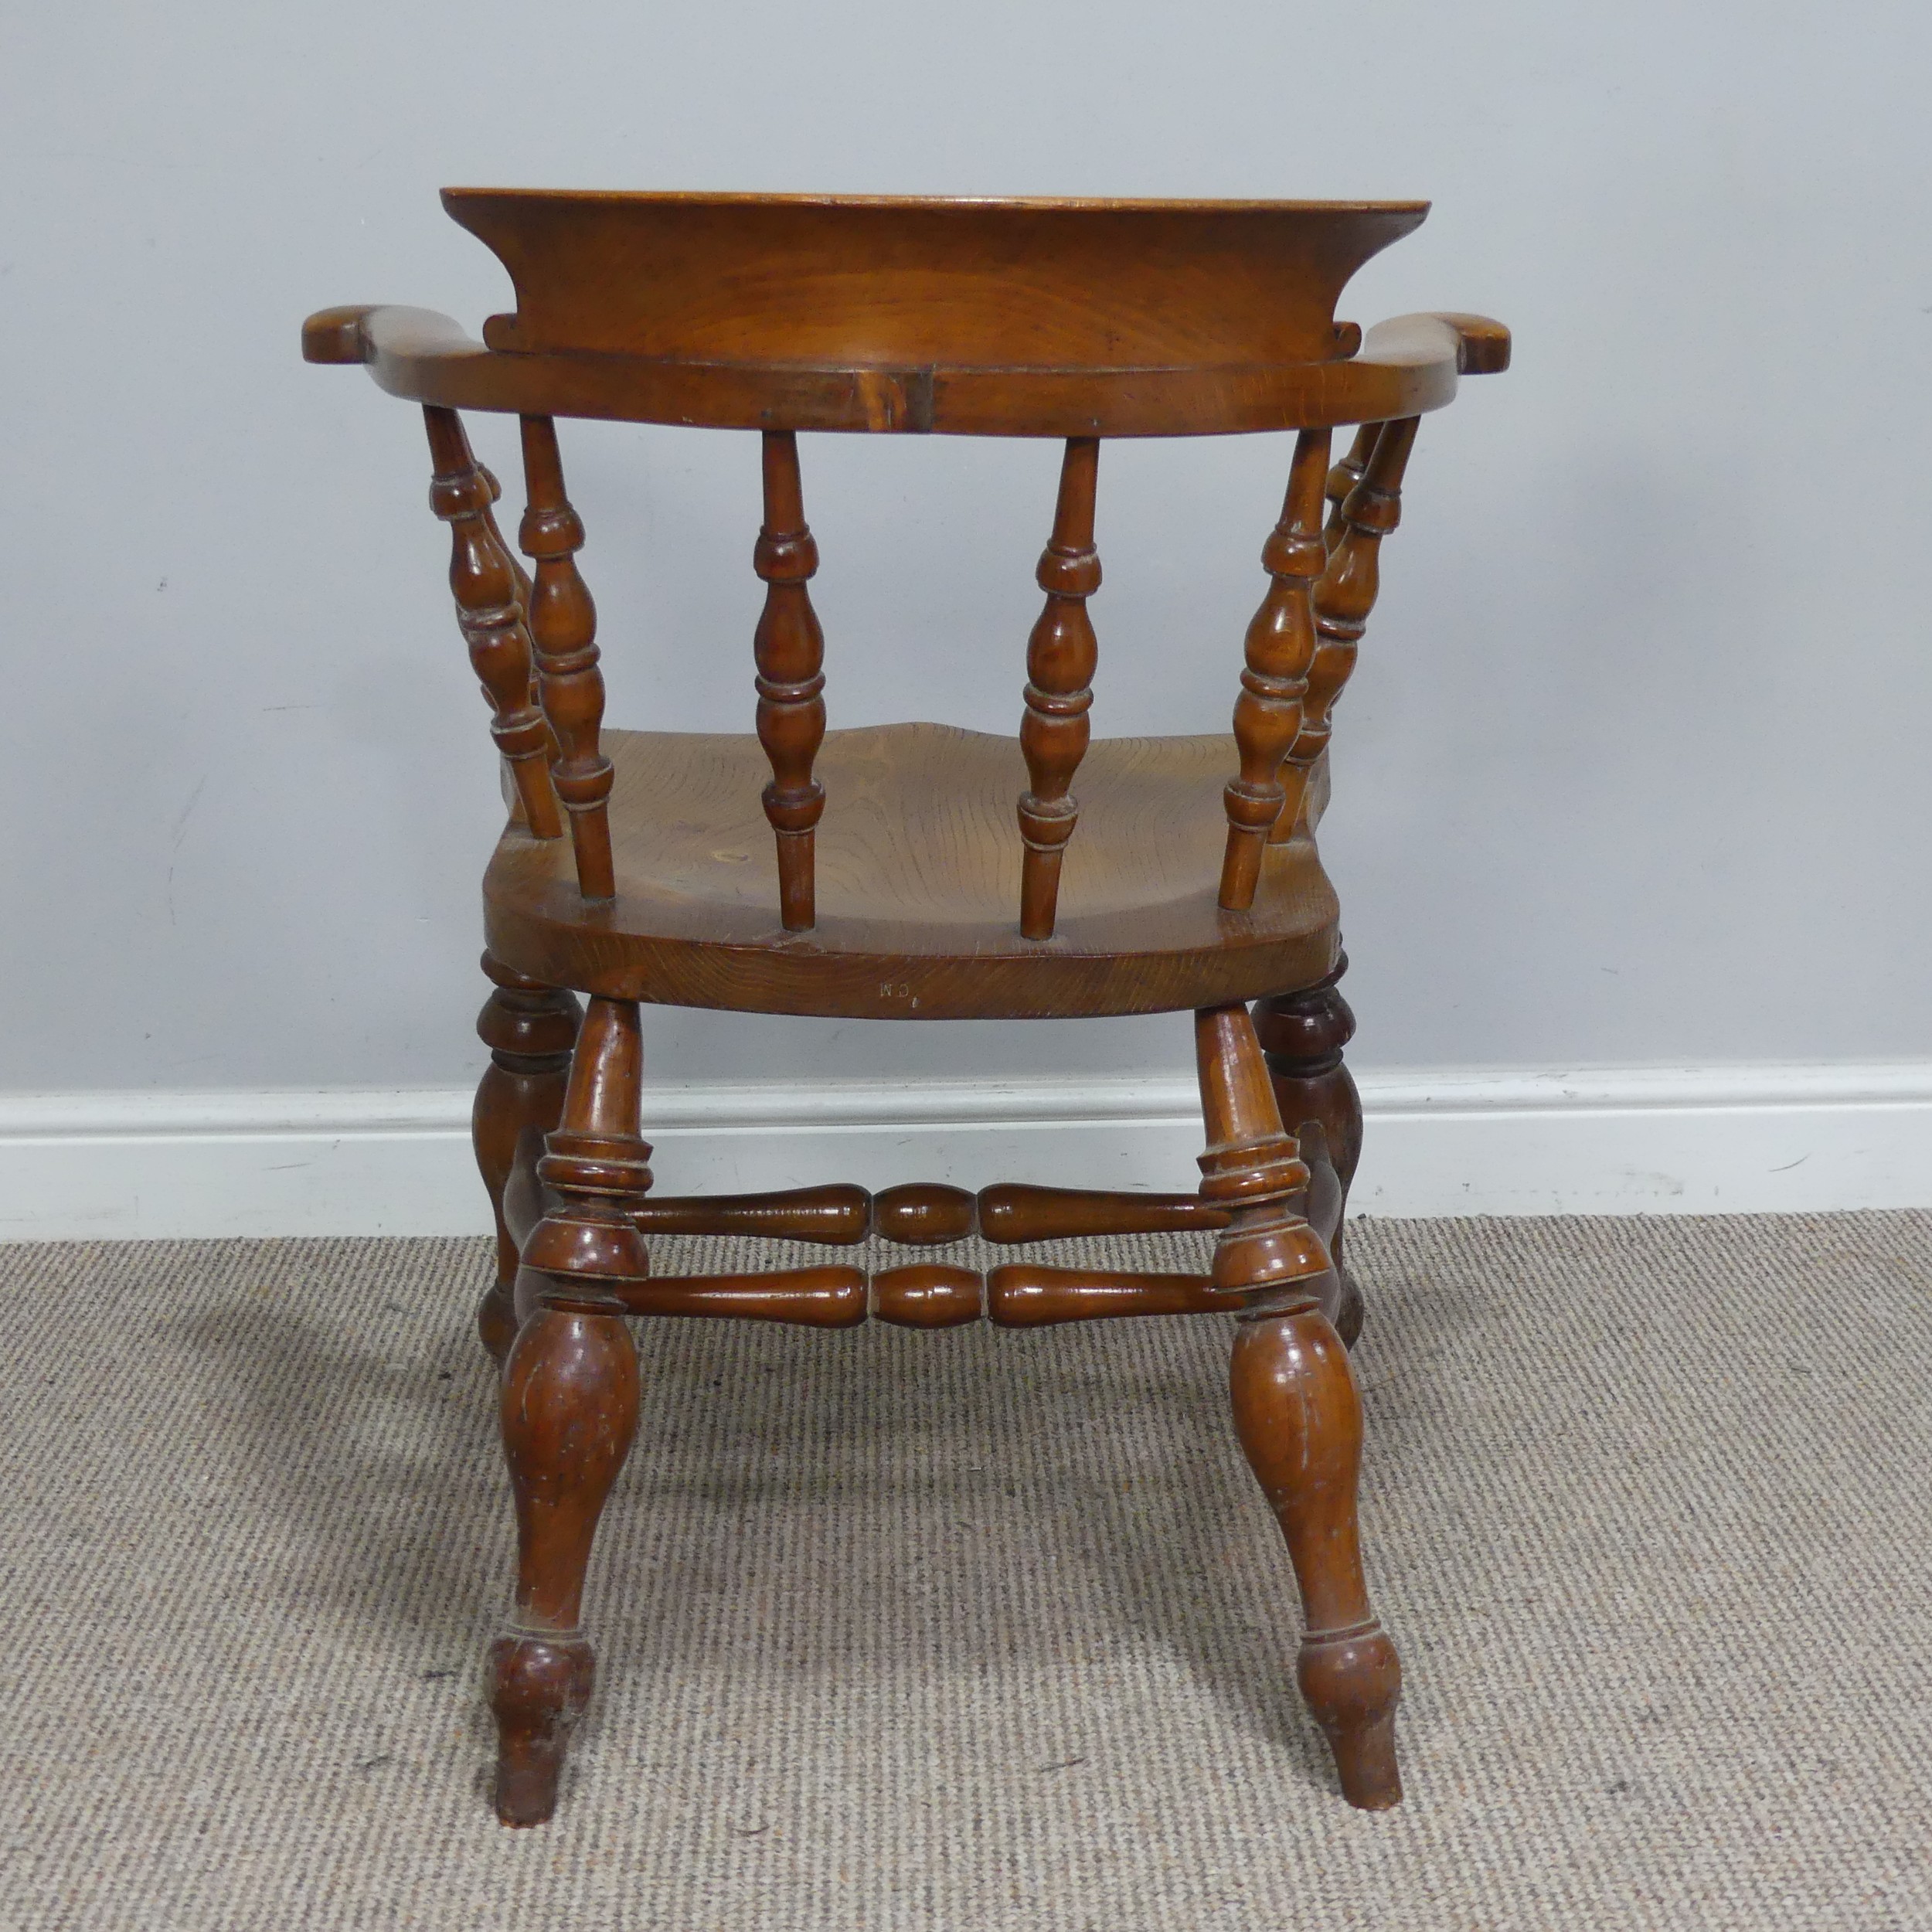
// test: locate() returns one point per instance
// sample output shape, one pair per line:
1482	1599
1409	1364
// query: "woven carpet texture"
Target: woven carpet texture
976	1629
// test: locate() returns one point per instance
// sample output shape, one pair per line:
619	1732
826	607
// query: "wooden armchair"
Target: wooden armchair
917	871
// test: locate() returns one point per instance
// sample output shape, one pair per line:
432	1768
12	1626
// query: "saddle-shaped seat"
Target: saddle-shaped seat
918	879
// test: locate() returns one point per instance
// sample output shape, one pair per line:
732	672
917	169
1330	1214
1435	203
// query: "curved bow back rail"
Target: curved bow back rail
878	872
1407	367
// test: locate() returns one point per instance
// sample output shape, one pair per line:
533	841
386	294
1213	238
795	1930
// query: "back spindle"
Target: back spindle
522	604
491	612
1279	649
563	622
1060	657
790	649
1346	595
1345	476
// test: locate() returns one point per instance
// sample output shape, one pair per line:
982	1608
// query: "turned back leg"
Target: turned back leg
529	1028
1297	1410
1302	1035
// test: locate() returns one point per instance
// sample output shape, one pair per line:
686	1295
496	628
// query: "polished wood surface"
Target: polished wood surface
915	1214
529	1029
925	1213
930	1295
1302	1035
927	1295
878	872
1251	1169
569	1408
596	1164
1297	1410
1343	476
790	653
492	611
1280	649
1021	284
1406	366
918	870
1298	1415
1345	594
1014	1212
827	1297
1031	1295
563	622
1060	657
835	1215
569	1413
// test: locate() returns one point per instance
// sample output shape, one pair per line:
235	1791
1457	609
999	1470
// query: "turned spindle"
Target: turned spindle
1279	648
1015	1211
563	623
925	1214
523	589
927	1295
836	1215
1345	476
1027	1295
790	649
491	613
819	1297
1061	656
1345	595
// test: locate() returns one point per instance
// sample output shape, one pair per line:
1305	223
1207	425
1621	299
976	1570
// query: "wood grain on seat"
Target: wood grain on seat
918	882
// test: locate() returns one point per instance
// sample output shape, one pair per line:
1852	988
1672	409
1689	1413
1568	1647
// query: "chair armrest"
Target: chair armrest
1476	345
396	343
334	336
1482	345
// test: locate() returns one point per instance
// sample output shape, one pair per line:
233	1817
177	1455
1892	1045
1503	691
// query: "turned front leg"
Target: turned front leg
570	1412
529	1028
1299	1419
1296	1408
570	1401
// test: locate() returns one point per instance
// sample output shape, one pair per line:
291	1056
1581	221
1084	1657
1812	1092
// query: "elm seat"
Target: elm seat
918	884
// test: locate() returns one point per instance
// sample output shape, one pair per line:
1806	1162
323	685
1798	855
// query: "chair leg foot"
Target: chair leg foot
539	1687
1351	1681
569	1411
1299	1418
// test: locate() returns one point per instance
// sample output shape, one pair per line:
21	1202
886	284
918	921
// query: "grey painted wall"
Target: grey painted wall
1633	768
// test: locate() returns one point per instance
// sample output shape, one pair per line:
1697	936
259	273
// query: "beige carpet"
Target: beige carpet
981	1630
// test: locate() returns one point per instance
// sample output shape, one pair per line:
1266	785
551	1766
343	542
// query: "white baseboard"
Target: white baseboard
1625	1141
